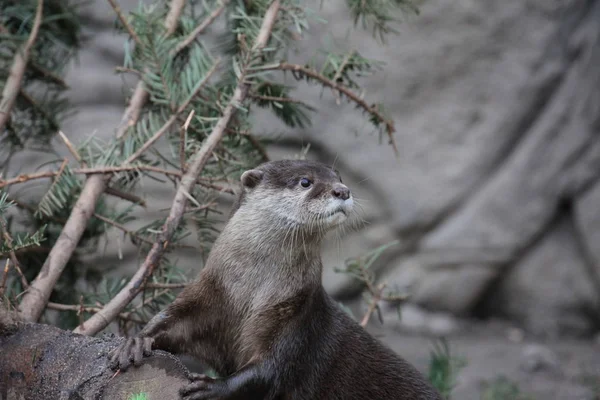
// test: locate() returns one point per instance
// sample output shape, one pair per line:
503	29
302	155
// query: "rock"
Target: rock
539	358
415	319
548	290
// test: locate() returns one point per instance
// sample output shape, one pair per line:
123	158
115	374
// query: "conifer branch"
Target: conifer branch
49	74
70	146
207	182
39	69
311	73
113	308
36	297
12	86
275	99
28	98
167	125
339	73
134	109
125	196
258	146
200	28
126	25
32	209
173	17
140	94
122	228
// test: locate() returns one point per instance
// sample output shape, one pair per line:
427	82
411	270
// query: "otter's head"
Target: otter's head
304	195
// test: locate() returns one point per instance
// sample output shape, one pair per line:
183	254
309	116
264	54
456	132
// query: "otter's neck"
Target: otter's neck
260	253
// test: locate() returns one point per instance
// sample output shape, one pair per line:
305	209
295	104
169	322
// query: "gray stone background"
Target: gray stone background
492	198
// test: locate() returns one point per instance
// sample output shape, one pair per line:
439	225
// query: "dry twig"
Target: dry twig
376	294
338	74
206	182
89	309
12	86
126	25
182	140
4	278
13	256
112	309
389	124
200	28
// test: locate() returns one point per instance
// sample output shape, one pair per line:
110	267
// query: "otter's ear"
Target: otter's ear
252	178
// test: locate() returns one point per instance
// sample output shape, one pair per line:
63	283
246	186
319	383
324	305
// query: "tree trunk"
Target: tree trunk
43	362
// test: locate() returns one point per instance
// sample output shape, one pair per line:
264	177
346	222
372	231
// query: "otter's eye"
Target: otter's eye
305	182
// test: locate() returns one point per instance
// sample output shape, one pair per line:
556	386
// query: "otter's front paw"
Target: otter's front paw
130	351
203	387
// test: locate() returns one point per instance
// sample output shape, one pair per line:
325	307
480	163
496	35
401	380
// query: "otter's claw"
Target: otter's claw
133	350
203	388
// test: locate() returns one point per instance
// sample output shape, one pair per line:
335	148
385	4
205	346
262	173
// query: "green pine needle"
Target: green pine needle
443	368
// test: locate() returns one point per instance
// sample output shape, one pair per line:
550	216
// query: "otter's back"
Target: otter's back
355	366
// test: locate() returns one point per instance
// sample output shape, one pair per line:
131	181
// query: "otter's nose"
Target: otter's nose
341	192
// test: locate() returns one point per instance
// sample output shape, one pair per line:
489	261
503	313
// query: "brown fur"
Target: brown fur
258	313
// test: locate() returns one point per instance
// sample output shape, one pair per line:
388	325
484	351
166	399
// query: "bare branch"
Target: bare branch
126	25
166	285
206	182
134	109
173	16
373	304
112	309
12	86
200	28
126	196
182	140
4	278
70	146
122	228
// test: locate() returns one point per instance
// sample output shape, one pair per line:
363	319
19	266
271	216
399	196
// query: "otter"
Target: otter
258	313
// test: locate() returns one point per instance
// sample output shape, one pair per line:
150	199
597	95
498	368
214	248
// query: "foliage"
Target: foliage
138	396
379	14
20	240
41	104
444	368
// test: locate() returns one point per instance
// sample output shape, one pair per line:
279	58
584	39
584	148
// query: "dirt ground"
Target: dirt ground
549	370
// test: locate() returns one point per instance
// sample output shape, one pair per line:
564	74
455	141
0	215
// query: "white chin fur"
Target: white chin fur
338	217
335	219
